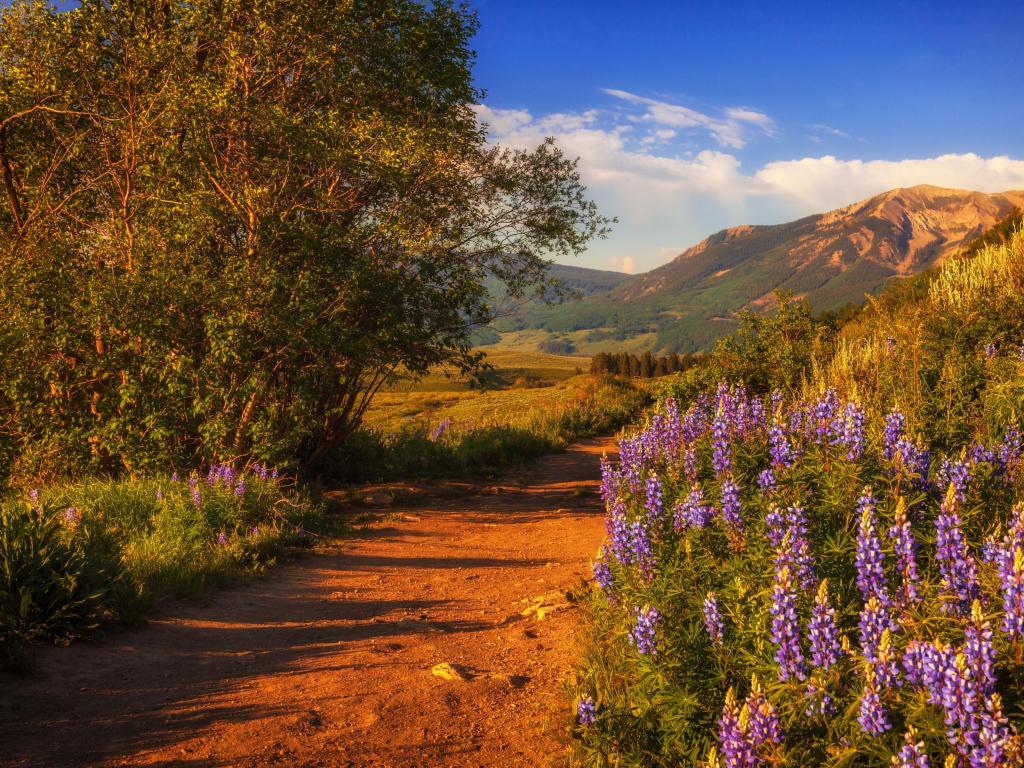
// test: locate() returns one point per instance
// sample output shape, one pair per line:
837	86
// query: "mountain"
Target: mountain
828	259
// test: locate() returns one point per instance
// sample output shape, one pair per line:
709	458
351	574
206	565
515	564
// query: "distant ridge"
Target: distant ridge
829	259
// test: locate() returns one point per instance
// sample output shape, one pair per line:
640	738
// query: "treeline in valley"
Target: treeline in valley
645	366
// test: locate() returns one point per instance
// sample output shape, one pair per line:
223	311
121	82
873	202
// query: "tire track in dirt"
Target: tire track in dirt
328	661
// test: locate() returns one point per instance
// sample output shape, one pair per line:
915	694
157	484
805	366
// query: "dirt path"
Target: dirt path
329	660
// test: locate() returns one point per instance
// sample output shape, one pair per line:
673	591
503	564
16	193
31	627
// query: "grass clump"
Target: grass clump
73	556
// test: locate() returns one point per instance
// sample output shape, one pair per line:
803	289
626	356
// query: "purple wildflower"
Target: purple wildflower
438	431
159	494
895	425
870	561
197	498
734	737
853	430
873	717
1011	581
603	574
643	633
990	350
693	512
175	477
764	725
912	755
640	549
72	515
905	547
731	507
721	458
874	622
826	648
956	565
956	474
222	538
785	630
779	446
653	504
713	619
1010	452
766	480
586	711
240	488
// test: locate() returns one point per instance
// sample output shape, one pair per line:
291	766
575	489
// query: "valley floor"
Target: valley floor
332	660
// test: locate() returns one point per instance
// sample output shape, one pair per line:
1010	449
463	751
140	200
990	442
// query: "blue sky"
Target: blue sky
690	117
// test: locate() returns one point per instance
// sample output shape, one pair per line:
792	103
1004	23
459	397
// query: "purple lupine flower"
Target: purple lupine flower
1011	582
692	512
820	702
609	481
1010	452
274	475
993	737
905	546
159	494
799	550
874	622
785	629
617	527
956	565
737	749
979	453
990	350
779	446
870	561
912	462
72	515
222	538
713	619
197	498
925	666
886	662
586	711
731	507
1020	352
175	477
873	717
643	633
956	474
764	725
653	503
254	531
603	574
912	754
826	418
640	549
33	496
895	425
721	457
240	488
766	480
978	650
775	526
853	431
826	648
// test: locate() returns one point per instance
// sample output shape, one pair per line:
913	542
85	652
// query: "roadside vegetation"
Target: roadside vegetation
224	229
816	542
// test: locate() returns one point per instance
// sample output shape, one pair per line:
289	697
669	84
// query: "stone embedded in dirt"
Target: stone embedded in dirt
379	499
447	671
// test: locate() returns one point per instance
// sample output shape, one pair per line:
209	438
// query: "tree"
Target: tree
232	223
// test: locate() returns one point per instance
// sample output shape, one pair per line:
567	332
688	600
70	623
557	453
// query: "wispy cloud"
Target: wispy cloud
730	131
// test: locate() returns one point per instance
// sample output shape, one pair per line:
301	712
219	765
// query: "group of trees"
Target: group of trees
645	366
224	225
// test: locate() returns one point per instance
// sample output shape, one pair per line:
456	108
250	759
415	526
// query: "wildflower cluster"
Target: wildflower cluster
850	566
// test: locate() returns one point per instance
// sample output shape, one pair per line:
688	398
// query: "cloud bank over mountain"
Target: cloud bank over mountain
673	173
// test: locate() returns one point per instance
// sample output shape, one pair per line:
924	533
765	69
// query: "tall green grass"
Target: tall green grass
75	556
449	447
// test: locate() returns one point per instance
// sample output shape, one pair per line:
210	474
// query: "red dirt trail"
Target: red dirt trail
327	661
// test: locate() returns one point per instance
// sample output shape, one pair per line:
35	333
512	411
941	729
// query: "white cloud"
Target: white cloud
664	193
822	183
730	132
